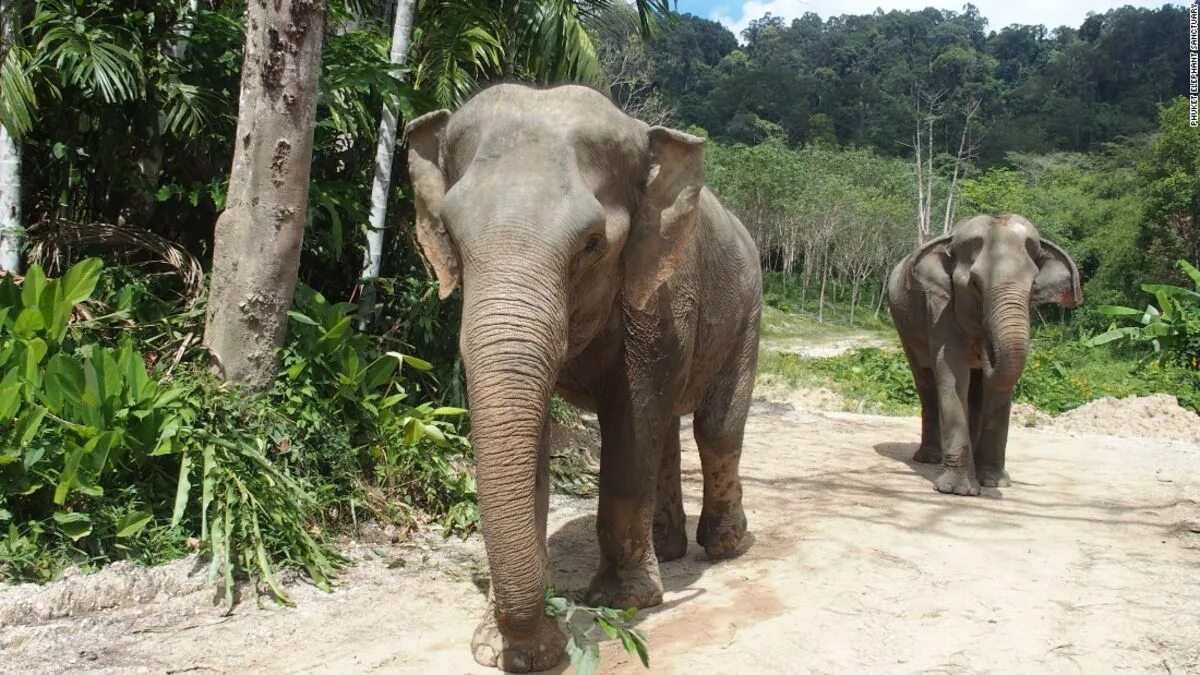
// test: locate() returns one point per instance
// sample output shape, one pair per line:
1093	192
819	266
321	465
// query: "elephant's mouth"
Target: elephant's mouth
989	358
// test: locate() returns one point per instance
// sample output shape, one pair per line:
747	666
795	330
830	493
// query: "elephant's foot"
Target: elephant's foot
670	543
928	454
958	482
992	476
721	534
638	586
539	652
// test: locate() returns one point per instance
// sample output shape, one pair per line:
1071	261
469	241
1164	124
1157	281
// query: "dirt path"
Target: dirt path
1089	563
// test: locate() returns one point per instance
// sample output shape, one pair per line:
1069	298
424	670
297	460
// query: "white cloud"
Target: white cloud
999	13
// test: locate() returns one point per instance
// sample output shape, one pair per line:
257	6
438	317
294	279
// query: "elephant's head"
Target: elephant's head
549	208
993	269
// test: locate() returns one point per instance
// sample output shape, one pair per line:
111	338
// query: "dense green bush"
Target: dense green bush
107	454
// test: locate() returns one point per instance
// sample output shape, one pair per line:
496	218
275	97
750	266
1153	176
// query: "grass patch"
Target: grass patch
1062	373
871	380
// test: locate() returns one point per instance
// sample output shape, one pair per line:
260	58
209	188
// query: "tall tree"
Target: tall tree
1172	205
256	254
11	227
385	150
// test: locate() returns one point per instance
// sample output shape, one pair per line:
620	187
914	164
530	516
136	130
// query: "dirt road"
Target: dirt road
1089	563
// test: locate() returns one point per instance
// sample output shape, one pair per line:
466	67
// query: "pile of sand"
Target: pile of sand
1026	415
772	387
1158	416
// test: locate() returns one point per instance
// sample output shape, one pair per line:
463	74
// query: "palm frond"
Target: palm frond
187	109
457	43
88	54
556	45
17	97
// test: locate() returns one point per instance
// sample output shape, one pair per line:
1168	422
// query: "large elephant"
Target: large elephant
961	303
594	263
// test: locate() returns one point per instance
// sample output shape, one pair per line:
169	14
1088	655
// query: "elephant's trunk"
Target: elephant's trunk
513	341
1006	324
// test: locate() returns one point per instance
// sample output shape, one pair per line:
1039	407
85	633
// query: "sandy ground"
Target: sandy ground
1089	563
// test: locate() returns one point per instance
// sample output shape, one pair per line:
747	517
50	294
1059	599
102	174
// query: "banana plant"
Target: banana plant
1172	328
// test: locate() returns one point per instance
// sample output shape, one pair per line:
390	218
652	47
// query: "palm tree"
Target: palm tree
384	152
69	50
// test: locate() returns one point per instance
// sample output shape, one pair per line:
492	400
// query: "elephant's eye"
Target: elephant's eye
593	243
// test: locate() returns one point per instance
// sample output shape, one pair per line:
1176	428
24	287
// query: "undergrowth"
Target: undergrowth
117	444
1063	372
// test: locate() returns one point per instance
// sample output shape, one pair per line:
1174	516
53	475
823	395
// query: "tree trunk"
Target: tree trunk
11	228
853	299
256	254
879	303
964	155
824	279
187	25
384	152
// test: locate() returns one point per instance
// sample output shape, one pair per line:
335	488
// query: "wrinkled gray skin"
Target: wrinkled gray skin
594	263
961	304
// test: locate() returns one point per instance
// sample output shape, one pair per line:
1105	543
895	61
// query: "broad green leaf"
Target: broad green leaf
29	424
299	317
10	394
435	433
1192	272
74	525
32	286
448	411
64	383
67	478
133	523
1112	336
1114	310
1167	291
133	367
609	629
413	361
32	456
379	372
338	332
28	322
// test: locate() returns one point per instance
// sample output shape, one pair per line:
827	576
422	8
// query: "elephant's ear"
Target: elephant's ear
424	138
1058	278
667	214
932	266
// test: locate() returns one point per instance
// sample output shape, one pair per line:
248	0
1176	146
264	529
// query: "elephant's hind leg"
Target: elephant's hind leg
670	535
930	451
719	427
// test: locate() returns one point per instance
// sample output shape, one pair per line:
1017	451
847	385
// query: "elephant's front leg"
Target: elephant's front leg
670	523
630	446
993	439
952	374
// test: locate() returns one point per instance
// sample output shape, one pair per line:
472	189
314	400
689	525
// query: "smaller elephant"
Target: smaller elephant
961	303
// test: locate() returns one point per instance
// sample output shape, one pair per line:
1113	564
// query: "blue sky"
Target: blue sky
737	13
